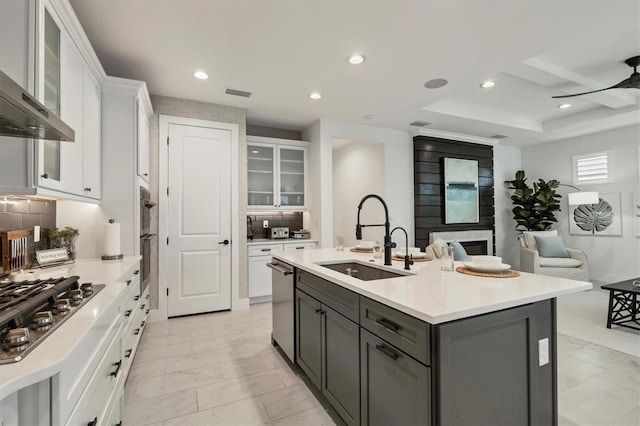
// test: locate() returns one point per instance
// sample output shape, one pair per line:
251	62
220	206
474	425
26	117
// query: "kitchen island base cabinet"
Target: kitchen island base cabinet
329	353
489	371
395	388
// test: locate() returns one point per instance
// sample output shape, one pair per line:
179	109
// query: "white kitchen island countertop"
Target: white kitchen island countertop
430	294
47	359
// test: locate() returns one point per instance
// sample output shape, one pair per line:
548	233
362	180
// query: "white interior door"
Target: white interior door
199	220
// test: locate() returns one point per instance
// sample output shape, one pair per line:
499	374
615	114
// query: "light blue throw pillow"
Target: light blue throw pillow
551	246
459	253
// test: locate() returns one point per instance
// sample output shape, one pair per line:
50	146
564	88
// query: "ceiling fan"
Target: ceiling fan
633	82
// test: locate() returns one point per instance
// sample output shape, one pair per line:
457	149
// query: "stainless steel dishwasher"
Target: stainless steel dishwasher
282	305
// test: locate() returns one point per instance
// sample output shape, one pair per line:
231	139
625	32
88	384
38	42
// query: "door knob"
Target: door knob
225	242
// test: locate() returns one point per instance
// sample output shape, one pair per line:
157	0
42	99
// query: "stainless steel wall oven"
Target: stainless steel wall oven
145	235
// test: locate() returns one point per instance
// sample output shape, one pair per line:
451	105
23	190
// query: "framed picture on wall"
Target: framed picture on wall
461	191
603	218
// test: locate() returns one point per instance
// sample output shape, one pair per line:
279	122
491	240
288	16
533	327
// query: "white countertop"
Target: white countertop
279	241
47	358
430	294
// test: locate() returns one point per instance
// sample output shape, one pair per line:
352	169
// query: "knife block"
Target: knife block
14	250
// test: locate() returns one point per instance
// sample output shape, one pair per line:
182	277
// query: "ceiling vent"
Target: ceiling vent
235	92
499	136
419	123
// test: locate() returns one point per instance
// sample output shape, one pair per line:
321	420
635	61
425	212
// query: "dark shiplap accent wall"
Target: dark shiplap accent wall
429	154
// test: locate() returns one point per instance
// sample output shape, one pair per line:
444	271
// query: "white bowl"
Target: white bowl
364	244
487	260
412	250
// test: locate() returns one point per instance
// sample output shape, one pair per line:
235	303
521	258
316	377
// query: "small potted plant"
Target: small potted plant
64	238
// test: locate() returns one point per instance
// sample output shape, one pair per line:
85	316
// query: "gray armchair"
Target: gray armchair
575	267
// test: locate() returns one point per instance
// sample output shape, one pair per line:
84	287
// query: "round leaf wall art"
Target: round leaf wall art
602	218
594	217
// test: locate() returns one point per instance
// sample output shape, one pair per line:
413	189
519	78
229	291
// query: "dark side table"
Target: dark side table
624	306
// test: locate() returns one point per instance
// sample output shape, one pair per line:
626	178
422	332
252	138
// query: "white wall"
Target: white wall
398	181
611	258
507	160
358	170
89	220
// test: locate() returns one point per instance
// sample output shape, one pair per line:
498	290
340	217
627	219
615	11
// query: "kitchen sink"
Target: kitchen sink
364	272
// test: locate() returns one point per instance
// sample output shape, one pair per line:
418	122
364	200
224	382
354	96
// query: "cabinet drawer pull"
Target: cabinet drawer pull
265	250
128	353
147	312
300	248
128	313
119	423
93	422
136	298
88	189
136	331
136	272
147	296
387	351
128	282
388	325
117	365
142	324
143	306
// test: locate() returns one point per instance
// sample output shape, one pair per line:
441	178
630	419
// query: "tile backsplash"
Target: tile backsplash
24	213
292	220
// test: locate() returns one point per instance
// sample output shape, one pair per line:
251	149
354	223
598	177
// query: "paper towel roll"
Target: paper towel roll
112	239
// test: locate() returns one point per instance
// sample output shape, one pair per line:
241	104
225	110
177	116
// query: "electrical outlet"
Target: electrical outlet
543	351
265	223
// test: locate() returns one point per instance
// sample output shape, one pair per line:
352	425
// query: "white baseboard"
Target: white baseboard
155	316
608	278
240	304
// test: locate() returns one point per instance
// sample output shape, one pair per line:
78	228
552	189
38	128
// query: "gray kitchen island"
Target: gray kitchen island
396	347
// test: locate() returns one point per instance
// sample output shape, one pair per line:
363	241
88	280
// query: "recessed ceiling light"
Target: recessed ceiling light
201	75
355	59
315	95
488	84
564	106
436	83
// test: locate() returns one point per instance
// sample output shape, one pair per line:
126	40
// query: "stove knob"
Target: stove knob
42	320
16	339
75	296
87	289
61	306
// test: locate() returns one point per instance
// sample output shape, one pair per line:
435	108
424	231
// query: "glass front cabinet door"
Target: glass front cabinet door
276	176
261	179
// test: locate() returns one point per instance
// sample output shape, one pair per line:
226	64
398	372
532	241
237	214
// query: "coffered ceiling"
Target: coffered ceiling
282	50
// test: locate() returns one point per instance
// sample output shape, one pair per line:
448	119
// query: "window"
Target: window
592	168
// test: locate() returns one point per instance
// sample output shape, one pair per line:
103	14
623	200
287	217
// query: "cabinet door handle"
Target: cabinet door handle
147	312
128	313
117	365
388	325
147	296
46	176
119	423
128	354
136	331
88	189
142	307
387	351
128	282
93	422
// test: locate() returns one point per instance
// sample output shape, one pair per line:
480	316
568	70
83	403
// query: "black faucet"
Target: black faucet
408	260
387	226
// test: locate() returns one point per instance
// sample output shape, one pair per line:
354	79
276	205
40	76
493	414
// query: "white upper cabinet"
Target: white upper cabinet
61	70
143	143
276	174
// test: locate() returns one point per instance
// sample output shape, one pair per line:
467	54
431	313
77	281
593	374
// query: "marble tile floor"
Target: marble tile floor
221	369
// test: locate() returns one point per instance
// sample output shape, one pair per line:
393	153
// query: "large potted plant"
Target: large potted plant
534	207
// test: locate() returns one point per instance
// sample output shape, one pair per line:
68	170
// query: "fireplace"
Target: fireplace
475	242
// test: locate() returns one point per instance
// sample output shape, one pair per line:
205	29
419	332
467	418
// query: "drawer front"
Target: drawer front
131	300
338	298
401	330
95	400
263	249
299	246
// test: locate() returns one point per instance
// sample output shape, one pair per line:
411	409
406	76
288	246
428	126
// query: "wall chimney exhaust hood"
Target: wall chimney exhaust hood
23	116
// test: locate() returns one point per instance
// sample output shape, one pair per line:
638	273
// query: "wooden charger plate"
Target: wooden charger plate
359	250
509	273
422	259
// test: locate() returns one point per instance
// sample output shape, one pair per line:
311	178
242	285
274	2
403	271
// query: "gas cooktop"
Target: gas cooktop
30	311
